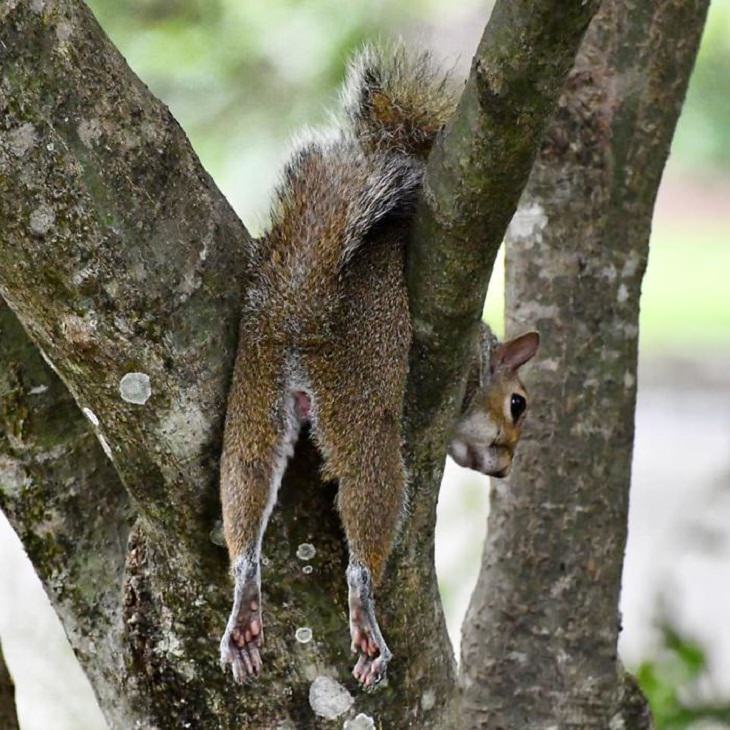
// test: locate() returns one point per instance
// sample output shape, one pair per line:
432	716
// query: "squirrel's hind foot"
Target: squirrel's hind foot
367	640
242	641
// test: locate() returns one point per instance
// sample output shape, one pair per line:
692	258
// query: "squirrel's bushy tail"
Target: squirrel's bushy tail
397	100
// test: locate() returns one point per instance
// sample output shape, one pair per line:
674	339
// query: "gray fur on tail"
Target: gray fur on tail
397	100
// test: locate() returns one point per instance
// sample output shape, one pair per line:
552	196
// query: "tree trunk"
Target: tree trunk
540	640
8	712
125	265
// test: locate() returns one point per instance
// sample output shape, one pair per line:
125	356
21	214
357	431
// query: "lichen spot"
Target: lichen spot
328	698
306	551
135	388
20	140
303	634
63	32
91	416
428	700
42	219
307	569
216	535
361	722
528	223
89	131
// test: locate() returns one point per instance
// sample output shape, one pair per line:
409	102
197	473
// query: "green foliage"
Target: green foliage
667	681
703	136
242	77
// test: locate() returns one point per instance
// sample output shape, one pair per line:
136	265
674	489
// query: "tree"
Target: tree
8	713
124	265
544	618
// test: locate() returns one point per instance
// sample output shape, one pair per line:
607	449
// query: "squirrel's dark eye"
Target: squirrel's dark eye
517	406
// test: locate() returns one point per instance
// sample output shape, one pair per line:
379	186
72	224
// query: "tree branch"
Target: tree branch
473	183
539	643
65	501
118	254
8	711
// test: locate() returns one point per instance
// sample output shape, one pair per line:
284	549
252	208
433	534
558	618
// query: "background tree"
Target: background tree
544	618
109	190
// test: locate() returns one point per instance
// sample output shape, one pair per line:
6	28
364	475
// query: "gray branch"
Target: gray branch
118	255
539	644
473	183
66	502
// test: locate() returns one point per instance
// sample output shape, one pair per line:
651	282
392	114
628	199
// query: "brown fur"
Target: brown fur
327	323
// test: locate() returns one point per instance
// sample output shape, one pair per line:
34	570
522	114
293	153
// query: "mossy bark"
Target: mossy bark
539	647
118	255
8	711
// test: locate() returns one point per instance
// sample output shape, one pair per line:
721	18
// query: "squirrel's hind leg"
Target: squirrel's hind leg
261	430
361	444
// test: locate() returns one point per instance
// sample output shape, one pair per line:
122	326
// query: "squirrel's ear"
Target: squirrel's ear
513	354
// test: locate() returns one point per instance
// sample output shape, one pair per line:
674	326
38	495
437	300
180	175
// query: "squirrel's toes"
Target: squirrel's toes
242	641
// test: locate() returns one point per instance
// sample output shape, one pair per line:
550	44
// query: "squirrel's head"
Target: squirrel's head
494	406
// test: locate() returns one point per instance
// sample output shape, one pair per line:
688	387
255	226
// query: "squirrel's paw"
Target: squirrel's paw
242	641
368	642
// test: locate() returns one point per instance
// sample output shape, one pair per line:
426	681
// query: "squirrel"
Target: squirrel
324	339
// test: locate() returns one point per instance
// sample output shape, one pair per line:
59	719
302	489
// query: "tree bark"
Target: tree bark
120	258
8	711
540	639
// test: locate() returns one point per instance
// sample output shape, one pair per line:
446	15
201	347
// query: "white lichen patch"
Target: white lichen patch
303	634
629	380
623	294
328	698
428	700
533	311
307	569
361	722
89	131
135	388
91	416
63	32
21	139
185	429
42	219
170	644
12	476
216	535
306	551
528	223
37	6
38	389
631	265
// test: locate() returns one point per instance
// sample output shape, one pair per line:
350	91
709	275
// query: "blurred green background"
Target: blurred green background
242	78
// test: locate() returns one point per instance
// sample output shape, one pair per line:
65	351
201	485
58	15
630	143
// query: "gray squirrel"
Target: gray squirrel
324	340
